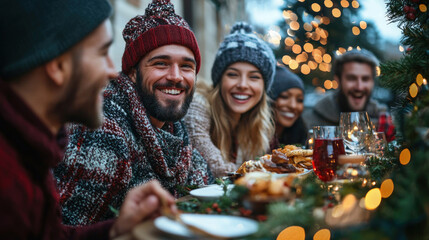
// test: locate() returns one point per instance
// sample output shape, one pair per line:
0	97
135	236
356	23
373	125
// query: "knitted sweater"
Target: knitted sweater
198	122
29	204
101	165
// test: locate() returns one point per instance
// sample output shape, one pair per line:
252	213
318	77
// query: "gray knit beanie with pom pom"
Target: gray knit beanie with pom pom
242	45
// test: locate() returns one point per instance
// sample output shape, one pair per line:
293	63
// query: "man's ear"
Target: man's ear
59	69
133	75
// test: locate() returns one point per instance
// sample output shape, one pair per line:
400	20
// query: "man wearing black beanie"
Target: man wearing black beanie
54	64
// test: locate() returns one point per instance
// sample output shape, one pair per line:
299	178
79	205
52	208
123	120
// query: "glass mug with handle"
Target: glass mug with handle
328	145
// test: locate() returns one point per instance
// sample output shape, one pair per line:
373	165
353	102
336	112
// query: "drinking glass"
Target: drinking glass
379	144
356	130
327	147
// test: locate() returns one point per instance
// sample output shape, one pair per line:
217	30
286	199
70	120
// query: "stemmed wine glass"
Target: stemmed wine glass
356	130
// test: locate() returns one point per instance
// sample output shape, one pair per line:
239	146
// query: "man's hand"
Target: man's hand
142	203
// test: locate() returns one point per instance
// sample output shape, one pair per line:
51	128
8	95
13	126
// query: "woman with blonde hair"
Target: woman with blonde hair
231	121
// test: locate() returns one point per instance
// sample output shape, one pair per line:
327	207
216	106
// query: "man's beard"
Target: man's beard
76	106
169	113
345	105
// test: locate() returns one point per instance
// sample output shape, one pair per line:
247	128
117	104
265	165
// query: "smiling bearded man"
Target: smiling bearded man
355	72
143	137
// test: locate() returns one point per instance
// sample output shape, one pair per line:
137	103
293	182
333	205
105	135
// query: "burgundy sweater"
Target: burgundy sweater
28	199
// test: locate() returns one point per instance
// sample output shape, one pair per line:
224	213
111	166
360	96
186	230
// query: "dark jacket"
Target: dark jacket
28	199
295	134
327	112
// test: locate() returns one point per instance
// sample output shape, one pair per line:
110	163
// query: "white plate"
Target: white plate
280	175
211	192
222	226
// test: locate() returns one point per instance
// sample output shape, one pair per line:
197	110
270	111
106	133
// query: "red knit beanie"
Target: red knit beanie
158	27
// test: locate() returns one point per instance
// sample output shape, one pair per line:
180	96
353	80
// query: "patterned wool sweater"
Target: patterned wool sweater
101	165
198	122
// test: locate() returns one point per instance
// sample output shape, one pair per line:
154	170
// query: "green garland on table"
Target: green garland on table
306	210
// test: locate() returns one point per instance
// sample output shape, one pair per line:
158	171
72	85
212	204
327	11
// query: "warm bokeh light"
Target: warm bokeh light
323	33
305	69
425	82
327	84
317	51
322	234
296	49
355	4
334	84
405	156
327	58
419	79
314	24
315	36
318	58
294	25
328	3
303	57
358	48
312	65
372	199
413	90
363	24
290	32
292	233
308	47
293	16
320	90
345	3
326	20
342	50
286	59
308	27
286	14
336	12
326	67
315	7
377	70
349	202
293	64
386	188
323	41
401	48
423	8
355	30
300	58
289	41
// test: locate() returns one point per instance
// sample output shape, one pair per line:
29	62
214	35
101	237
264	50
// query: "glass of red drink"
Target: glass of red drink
328	145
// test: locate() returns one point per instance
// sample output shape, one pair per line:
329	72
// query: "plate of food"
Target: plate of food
220	226
265	189
287	160
210	192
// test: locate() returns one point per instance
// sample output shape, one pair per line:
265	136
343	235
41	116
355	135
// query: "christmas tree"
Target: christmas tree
314	31
408	209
